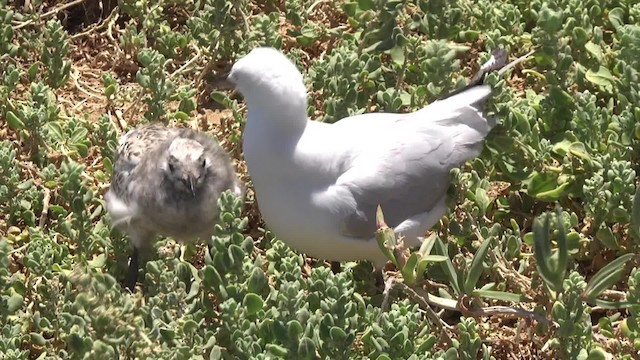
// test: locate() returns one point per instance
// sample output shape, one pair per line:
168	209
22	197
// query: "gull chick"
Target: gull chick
318	185
167	181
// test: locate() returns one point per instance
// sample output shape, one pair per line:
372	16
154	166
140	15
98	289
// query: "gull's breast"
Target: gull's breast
308	220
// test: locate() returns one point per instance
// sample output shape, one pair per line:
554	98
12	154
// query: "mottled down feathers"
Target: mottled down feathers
167	181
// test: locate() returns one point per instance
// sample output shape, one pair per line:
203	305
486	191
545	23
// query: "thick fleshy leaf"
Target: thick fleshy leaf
607	276
475	270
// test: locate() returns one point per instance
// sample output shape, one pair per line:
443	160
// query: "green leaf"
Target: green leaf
277	350
542	182
383	357
598	354
294	329
182	116
78	135
306	348
427	245
365	5
448	268
607	276
253	303
14	302
605	304
579	150
33	71
602	77
634	228
56	130
211	277
337	334
482	200
220	97
257	281
98	261
385	237
607	238
27	184
190	327
305	40
594	50
408	270
433	258
13	121
216	353
469	35
167	334
580	36
544	186
475	270
550	267
110	90
554	194
77	205
397	54
501	295
616	17
37	339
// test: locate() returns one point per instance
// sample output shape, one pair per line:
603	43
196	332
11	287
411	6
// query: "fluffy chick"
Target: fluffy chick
167	181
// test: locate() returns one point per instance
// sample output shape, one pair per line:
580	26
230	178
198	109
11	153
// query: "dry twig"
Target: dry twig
45	207
48	13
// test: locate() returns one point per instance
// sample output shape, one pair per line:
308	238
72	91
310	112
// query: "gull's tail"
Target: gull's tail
462	111
497	62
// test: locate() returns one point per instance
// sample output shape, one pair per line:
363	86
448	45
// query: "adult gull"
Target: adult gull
318	185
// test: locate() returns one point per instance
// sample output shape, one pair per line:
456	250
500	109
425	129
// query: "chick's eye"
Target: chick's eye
203	163
171	168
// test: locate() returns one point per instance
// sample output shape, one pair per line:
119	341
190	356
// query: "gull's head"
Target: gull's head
265	76
185	165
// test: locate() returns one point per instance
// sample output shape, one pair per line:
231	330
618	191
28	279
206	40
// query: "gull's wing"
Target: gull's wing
404	165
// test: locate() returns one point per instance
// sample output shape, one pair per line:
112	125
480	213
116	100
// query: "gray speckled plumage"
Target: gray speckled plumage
167	181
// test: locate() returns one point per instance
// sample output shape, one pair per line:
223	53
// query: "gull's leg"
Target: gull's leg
379	275
183	250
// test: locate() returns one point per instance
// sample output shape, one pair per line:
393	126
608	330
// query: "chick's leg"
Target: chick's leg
139	240
132	273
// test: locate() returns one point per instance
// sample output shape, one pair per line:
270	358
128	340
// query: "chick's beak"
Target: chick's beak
192	184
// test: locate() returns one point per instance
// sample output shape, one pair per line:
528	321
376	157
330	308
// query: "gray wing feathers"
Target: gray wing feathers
409	181
446	133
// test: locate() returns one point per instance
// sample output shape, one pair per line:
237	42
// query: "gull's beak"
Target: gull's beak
228	84
225	82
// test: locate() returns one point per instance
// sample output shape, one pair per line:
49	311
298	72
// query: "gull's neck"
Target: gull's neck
279	119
